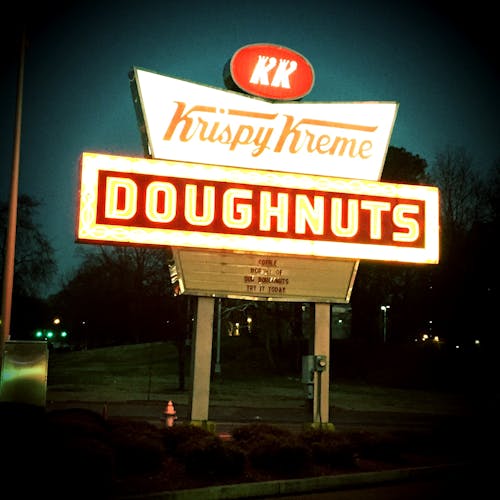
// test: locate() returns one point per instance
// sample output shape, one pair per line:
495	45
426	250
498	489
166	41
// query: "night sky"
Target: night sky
440	66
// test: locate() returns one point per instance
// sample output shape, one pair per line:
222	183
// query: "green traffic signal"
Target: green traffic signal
50	335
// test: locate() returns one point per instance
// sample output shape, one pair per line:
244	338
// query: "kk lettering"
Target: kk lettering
281	77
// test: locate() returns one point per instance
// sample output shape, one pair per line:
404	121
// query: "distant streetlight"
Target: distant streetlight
384	310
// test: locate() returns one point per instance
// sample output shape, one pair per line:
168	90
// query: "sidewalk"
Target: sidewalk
226	418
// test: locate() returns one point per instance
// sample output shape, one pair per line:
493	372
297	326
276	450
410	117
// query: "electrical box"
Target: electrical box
320	363
24	372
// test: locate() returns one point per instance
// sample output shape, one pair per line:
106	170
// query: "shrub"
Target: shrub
80	453
329	448
210	457
273	454
249	433
77	422
23	448
175	436
137	445
272	448
372	445
81	465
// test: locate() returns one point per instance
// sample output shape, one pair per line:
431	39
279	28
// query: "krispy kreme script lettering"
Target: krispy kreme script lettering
268	131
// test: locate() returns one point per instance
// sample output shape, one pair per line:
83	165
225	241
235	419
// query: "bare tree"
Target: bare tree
34	264
459	277
492	188
461	193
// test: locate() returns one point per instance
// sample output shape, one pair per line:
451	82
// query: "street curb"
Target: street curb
304	485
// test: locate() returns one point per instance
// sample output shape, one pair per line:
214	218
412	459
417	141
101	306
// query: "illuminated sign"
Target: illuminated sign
154	202
269	71
184	121
263	276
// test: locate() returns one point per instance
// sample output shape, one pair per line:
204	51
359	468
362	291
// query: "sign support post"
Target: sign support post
321	401
201	362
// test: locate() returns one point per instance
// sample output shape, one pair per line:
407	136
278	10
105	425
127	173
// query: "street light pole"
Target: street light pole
384	311
8	275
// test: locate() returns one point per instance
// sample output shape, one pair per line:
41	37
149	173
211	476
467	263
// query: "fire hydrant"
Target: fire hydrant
170	414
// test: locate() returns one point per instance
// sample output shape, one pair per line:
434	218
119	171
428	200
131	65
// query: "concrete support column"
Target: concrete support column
321	401
201	360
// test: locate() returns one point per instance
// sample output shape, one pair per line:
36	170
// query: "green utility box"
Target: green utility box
24	372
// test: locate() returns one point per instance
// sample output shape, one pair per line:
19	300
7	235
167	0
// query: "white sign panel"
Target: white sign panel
189	122
263	277
161	202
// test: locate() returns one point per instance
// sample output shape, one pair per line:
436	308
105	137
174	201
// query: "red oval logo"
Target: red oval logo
271	71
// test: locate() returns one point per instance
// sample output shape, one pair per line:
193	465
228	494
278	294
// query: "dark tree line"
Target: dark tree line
467	282
119	294
34	266
454	298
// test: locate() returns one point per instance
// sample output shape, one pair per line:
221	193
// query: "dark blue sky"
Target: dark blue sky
436	64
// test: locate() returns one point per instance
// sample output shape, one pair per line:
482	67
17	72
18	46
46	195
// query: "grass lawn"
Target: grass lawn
150	372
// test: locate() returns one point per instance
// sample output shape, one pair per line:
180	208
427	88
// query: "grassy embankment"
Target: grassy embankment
383	379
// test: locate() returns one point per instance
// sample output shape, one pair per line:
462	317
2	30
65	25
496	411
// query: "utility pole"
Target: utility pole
10	247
